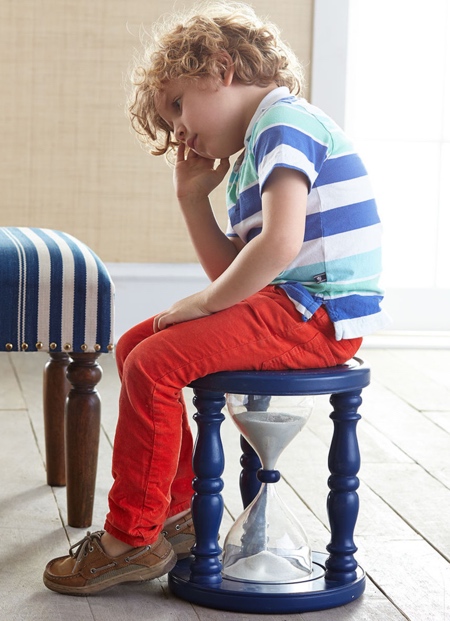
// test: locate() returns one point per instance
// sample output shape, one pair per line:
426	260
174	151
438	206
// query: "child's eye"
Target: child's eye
177	103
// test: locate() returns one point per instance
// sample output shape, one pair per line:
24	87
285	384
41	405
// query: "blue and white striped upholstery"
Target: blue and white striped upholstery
55	294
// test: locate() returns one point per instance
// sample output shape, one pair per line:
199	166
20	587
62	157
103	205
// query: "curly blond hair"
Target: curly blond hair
192	45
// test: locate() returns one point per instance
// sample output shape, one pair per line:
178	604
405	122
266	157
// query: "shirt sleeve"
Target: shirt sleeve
289	146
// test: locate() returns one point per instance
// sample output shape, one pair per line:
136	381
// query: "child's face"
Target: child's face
209	117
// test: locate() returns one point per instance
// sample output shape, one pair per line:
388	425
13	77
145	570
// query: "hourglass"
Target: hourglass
241	579
267	543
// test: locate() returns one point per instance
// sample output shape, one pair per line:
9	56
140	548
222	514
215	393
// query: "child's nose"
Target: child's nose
180	133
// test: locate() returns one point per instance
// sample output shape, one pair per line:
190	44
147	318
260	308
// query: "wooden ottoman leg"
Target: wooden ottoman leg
55	390
82	433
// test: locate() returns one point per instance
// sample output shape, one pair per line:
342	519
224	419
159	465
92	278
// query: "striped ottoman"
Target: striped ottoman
58	297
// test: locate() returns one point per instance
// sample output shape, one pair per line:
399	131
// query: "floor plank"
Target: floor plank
406	374
30	529
423	502
10	393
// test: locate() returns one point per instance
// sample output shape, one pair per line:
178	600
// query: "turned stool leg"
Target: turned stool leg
55	390
343	503
207	502
82	433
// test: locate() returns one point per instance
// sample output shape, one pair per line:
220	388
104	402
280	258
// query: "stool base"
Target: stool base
309	595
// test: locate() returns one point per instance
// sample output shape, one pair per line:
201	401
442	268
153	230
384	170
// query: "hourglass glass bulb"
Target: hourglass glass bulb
267	543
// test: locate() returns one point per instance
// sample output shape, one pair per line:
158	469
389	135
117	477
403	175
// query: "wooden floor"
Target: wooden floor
403	530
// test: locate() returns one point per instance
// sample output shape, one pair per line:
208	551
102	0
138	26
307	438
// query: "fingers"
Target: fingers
181	152
159	323
162	321
184	153
156	324
179	313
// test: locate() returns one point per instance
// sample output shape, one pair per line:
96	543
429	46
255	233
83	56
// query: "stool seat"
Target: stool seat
354	374
336	578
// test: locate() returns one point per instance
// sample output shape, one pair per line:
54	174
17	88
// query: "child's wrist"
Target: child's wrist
194	201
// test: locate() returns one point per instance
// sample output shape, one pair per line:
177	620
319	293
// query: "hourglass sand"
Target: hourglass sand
267	544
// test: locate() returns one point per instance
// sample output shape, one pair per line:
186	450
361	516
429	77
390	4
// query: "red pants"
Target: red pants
152	457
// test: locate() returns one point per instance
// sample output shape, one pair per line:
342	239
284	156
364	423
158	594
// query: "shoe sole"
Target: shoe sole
141	574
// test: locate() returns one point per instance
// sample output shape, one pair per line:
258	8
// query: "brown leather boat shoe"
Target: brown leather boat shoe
181	535
88	569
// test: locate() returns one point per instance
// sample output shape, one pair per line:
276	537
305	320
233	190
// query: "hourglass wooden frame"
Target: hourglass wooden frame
337	578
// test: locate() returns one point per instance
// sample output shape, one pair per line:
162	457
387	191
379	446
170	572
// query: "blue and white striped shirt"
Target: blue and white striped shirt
340	260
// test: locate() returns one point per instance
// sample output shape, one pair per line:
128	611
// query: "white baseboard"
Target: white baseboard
145	289
407	340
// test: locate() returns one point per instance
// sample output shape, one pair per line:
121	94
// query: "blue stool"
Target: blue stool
337	578
56	296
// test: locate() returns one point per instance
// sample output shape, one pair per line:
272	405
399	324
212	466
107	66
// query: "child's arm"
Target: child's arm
195	178
261	260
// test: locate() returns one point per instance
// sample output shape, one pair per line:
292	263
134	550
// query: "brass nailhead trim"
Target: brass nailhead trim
53	345
84	347
39	345
24	346
67	347
97	347
8	346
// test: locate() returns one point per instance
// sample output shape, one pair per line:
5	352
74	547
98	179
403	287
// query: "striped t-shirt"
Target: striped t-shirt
340	259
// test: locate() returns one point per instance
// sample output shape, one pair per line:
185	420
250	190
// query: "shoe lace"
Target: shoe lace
82	547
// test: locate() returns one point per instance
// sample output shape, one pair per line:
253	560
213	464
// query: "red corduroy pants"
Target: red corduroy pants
152	458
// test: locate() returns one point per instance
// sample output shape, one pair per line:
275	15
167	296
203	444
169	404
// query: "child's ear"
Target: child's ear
227	72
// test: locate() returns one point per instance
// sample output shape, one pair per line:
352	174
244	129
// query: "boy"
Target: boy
294	282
